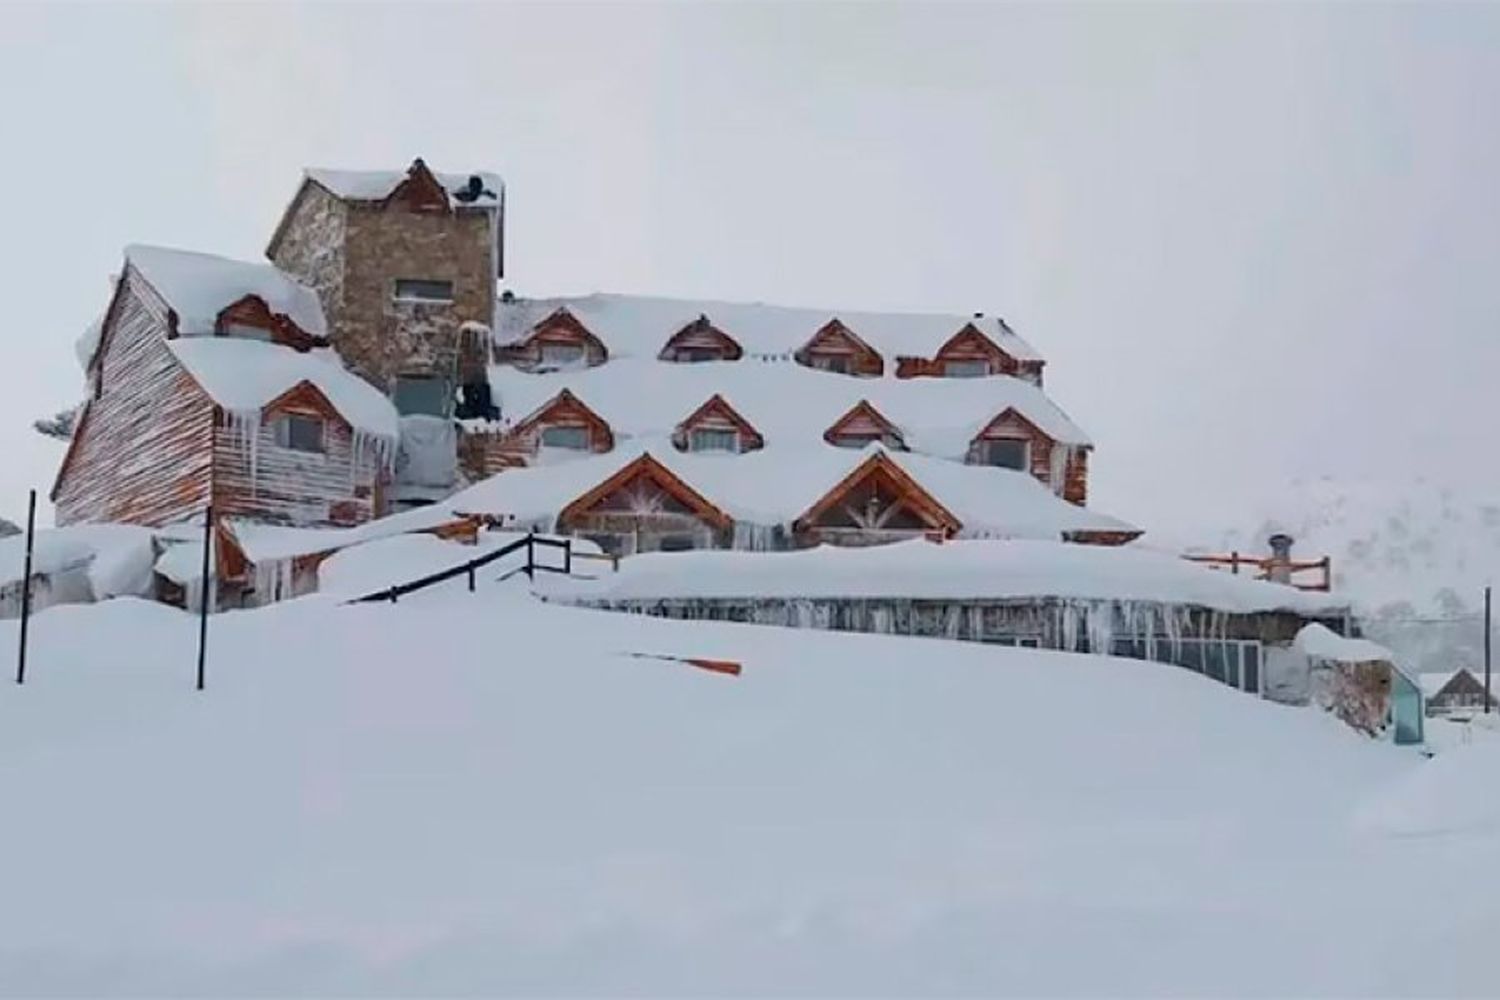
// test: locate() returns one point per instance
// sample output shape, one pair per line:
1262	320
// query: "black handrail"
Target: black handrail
529	543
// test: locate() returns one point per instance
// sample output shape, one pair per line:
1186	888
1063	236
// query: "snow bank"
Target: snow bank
1453	793
479	795
1322	643
272	542
786	403
198	286
952	570
242	376
366	568
775	486
640	326
117	557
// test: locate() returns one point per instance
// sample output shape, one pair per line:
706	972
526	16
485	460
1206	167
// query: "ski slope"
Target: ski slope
484	794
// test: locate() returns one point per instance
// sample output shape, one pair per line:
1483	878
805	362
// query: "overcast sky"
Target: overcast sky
1254	242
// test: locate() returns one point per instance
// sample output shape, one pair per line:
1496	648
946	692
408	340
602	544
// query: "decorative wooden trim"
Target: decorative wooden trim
702	327
866	360
717	405
865	409
421	191
562	319
939	518
645	465
252	310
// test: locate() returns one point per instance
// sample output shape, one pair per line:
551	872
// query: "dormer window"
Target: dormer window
570	437
831	363
561	355
714	439
975	368
424	290
299	432
1006	453
247	332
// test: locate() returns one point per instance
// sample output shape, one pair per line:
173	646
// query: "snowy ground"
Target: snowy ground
481	794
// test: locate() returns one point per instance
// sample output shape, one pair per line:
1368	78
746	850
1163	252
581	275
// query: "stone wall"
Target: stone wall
380	337
312	246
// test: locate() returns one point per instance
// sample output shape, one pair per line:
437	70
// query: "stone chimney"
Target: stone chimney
1279	566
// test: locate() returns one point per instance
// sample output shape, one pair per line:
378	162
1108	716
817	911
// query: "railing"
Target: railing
1264	566
469	569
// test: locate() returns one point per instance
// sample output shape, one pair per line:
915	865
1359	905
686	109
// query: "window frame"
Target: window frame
413	294
986	448
578	355
283	433
729	433
983	364
547	429
444	382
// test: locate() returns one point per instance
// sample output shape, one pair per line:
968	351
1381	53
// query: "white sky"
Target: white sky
1253	241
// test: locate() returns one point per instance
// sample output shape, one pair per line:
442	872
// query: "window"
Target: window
429	394
245	331
1006	453
861	440
831	363
559	354
574	438
423	290
695	354
966	369
713	439
299	432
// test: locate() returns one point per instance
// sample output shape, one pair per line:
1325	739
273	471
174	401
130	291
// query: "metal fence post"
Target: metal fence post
26	586
471	578
530	556
208	544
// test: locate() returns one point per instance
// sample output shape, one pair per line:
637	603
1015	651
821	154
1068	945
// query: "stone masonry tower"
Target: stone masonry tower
406	266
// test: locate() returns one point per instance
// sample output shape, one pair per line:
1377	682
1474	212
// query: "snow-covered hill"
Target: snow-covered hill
1414	554
483	794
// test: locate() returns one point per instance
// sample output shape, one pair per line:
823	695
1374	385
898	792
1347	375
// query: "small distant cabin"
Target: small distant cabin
970	353
1458	693
645	507
205	388
716	427
701	340
864	425
560	341
836	348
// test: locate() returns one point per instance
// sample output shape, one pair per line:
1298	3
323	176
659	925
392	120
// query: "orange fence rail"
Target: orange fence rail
1263	566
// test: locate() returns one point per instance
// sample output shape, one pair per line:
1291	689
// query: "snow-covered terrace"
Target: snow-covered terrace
639	325
958	570
787	403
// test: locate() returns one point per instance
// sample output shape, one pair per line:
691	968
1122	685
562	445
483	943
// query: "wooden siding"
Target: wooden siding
836	342
562	327
142	452
643	506
969	344
863	424
284	485
700	340
718	415
1043	451
520	444
877	502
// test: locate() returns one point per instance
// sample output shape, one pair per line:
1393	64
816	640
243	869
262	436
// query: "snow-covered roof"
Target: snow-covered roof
263	543
118	556
377	185
1434	681
639	325
198	286
956	570
1322	643
776	485
786	402
243	375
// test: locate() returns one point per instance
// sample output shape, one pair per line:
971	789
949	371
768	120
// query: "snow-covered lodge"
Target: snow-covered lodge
374	365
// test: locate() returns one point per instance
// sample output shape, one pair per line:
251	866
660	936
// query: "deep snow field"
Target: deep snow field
485	794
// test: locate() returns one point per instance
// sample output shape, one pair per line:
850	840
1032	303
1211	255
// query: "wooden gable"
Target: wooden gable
880	499
969	344
420	191
864	422
1463	684
835	343
305	398
643	488
562	327
717	414
252	311
700	340
563	410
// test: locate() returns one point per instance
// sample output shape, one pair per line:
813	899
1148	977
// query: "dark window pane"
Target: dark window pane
1252	667
1005	453
429	394
576	438
424	290
300	433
